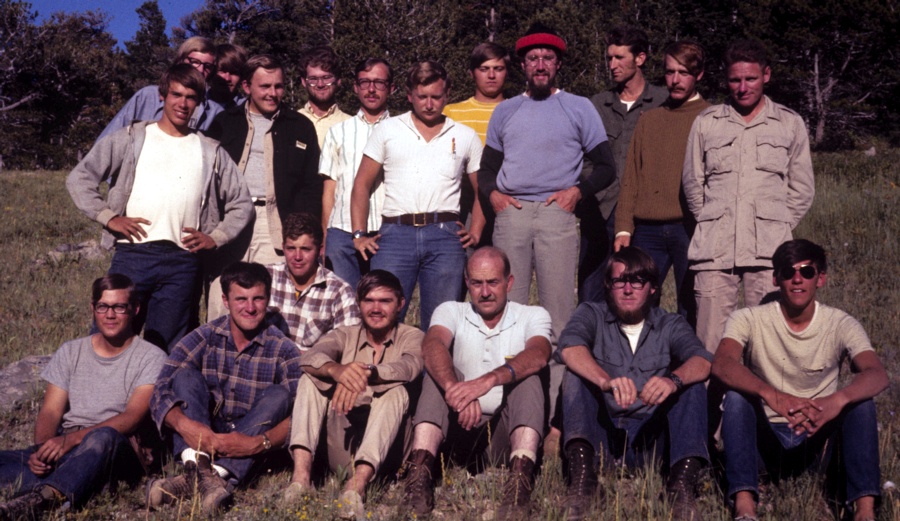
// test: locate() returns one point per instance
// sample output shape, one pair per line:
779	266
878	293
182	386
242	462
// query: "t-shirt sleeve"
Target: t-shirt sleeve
738	327
474	153
495	125
854	339
151	362
327	159
538	323
447	315
59	369
375	145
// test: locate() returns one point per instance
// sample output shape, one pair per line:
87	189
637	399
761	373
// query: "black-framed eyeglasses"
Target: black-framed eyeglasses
119	309
636	282
197	64
366	83
321	81
807	271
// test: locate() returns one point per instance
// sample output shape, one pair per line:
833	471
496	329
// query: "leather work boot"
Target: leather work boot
582	480
213	490
418	484
166	491
681	487
516	501
30	505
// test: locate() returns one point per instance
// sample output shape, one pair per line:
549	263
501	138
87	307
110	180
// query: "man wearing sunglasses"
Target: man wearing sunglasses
781	362
147	103
320	76
98	393
634	379
341	155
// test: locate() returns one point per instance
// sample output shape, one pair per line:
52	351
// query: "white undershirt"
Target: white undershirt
168	185
633	333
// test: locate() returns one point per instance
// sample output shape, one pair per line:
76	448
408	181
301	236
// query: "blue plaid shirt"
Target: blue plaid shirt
234	379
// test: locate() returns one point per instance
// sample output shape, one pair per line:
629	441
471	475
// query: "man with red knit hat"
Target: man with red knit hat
530	171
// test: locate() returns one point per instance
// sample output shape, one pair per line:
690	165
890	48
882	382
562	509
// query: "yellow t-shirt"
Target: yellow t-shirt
472	113
805	363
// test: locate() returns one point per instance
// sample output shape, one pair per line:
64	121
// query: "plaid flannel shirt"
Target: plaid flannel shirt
328	303
234	379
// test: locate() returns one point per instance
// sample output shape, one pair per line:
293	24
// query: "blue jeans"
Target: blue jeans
342	258
167	280
667	244
431	255
102	457
751	441
273	406
677	428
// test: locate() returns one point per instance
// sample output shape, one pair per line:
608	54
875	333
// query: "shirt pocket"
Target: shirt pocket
772	153
719	155
712	236
773	226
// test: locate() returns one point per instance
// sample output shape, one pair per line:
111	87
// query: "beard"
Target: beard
631	316
540	92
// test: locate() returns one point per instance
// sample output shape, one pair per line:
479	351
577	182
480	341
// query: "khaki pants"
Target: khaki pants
364	435
717	297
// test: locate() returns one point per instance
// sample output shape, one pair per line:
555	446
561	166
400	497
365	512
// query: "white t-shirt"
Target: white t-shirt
422	176
168	185
478	350
806	363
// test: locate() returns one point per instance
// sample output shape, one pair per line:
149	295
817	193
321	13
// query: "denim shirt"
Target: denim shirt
666	342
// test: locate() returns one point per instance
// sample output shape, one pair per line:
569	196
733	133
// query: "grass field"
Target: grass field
855	215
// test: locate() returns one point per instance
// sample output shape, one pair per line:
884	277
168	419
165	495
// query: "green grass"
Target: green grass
855	216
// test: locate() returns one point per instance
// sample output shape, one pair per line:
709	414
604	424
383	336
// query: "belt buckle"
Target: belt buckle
416	222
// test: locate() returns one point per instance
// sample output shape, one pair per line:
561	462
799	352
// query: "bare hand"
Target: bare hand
354	376
622	241
237	445
788	406
196	240
470	416
566	199
500	201
467	239
460	394
343	399
128	227
657	390
38	467
622	389
822	411
199	437
53	449
367	246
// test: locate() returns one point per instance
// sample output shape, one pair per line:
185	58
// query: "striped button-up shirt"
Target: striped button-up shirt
327	303
235	379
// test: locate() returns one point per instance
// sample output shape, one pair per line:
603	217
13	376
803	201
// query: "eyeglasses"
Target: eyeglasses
321	81
379	84
533	59
807	271
197	64
119	309
636	282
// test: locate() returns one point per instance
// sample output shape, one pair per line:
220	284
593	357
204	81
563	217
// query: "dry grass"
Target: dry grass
855	216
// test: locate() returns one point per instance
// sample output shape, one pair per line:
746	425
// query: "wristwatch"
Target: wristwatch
676	380
359	234
267	443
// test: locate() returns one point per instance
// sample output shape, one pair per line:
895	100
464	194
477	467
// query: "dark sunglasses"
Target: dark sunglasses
807	271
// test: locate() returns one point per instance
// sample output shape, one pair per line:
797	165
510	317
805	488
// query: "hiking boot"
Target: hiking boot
680	489
213	490
352	506
29	505
516	500
166	491
582	480
418	484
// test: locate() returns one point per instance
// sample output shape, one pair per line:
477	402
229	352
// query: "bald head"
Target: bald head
489	254
489	281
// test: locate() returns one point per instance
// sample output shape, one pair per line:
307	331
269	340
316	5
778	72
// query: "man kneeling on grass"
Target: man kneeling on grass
98	393
634	378
781	361
225	394
482	388
358	375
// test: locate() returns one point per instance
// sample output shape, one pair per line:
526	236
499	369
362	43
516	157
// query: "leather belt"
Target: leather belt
422	219
259	202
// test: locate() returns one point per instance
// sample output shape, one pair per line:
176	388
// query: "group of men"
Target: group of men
293	349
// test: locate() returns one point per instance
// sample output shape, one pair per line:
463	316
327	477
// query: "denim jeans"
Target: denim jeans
431	255
166	280
751	441
273	406
103	456
676	429
667	244
342	258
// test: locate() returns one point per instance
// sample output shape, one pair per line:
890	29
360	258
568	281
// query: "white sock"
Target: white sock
191	455
523	453
222	471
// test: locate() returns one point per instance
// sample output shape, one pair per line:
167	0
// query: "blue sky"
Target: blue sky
123	18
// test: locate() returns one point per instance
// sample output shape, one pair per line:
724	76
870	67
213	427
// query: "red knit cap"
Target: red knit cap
540	40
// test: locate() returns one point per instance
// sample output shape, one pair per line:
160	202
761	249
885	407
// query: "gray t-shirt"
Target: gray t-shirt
99	388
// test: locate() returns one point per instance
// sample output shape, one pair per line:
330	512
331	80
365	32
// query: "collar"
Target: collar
407	119
247	112
222	327
769	111
651	320
362	116
507	321
307	108
319	281
363	341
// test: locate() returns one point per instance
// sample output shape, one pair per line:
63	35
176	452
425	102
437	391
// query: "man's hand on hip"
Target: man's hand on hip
128	227
566	199
196	240
366	246
500	201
